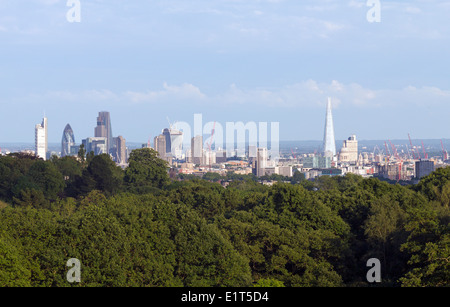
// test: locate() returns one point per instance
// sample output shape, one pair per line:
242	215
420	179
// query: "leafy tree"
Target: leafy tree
428	247
14	270
47	177
101	174
269	283
82	154
145	169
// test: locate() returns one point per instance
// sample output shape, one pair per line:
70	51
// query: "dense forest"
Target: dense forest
140	226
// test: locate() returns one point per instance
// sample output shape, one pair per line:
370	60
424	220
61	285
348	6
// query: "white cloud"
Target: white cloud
183	92
308	94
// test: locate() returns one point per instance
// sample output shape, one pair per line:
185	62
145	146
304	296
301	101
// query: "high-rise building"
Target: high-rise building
41	139
261	161
120	150
197	149
349	151
176	142
424	168
160	146
251	152
67	142
329	143
166	133
103	129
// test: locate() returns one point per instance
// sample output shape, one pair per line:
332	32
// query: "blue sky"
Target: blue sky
230	60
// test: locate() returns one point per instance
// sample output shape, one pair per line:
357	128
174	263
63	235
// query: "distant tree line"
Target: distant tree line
137	227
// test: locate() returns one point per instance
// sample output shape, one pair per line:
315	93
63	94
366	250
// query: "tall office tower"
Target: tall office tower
104	129
160	146
424	168
166	133
41	139
329	143
67	142
197	149
349	151
176	141
261	161
120	150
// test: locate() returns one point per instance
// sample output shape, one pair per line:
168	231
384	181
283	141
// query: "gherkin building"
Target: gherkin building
68	140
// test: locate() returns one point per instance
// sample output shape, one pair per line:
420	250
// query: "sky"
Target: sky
152	62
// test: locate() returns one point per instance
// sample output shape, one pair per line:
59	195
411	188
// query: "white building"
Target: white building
41	139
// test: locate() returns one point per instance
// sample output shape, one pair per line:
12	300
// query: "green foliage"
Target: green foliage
101	174
269	283
146	169
14	270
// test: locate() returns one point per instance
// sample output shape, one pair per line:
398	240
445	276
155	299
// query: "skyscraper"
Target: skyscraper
104	129
166	133
261	161
41	139
176	142
120	150
329	143
424	168
160	146
68	141
197	149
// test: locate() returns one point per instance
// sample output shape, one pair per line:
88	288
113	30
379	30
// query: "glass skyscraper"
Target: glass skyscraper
104	129
329	143
67	142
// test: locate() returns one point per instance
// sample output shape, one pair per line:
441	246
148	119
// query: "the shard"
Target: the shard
329	143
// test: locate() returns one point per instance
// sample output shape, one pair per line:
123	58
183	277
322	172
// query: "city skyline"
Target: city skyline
231	61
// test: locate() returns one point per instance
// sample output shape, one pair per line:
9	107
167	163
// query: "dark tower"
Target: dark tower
104	129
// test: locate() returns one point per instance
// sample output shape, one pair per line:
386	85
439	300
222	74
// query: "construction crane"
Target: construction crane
444	152
387	152
424	152
375	149
412	147
295	157
394	149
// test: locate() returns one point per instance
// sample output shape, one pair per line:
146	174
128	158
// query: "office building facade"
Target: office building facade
197	149
67	142
424	168
41	139
104	129
329	143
